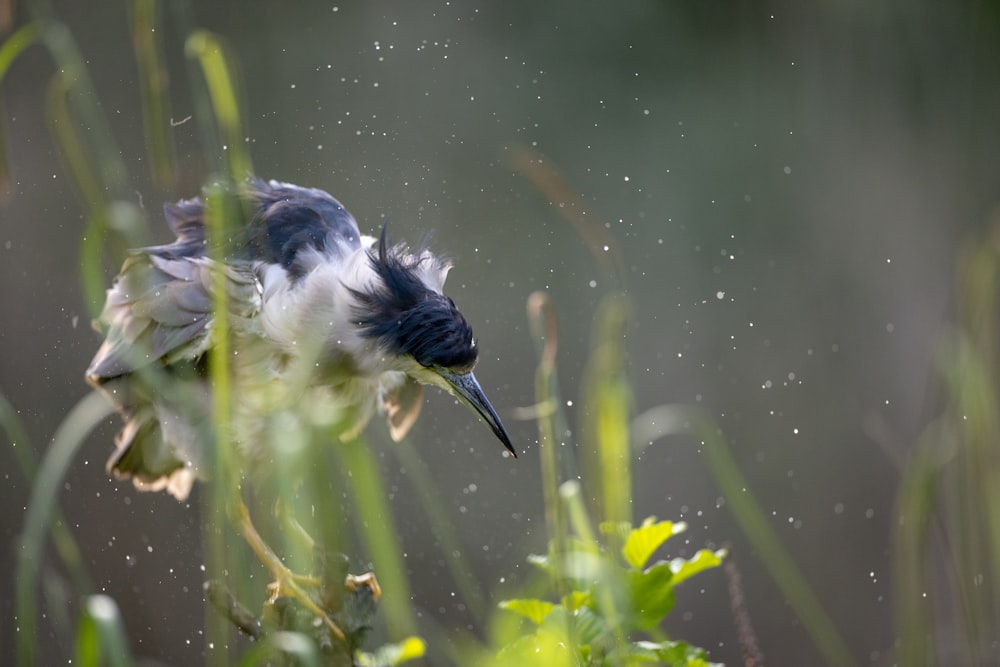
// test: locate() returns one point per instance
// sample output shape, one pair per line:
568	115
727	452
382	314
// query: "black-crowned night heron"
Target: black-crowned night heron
314	309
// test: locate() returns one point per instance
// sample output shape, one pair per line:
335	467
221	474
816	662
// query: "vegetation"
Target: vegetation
603	593
608	598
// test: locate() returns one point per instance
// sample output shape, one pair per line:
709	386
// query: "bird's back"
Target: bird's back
158	320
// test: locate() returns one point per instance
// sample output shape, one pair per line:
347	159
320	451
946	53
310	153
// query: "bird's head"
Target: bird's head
410	321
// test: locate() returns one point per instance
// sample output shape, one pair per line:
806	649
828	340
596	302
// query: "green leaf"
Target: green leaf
217	66
619	529
584	566
643	541
542	562
390	655
588	626
652	595
541	648
577	599
11	48
703	560
61	453
579	564
292	648
533	610
679	654
154	87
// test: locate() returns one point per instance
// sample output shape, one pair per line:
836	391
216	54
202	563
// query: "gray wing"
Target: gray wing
160	309
159	319
158	322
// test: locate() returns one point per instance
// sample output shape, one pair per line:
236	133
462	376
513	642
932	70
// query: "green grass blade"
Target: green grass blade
443	529
16	44
100	636
103	218
223	499
154	87
609	590
106	163
971	520
12	47
780	565
68	439
671	420
223	214
71	144
220	210
182	16
92	281
916	500
92	162
218	70
608	401
379	533
958	463
545	331
27	461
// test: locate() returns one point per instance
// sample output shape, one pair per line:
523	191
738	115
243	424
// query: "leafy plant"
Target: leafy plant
612	598
607	600
91	158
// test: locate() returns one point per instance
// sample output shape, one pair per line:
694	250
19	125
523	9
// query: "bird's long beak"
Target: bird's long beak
467	390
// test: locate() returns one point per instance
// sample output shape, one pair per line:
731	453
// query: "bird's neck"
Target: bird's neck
314	318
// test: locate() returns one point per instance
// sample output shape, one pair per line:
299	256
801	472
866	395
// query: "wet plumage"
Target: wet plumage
315	308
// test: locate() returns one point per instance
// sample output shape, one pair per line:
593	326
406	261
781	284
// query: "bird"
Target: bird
316	313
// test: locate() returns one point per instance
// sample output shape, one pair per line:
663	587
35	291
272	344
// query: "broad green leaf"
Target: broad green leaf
548	645
652	595
703	560
410	649
390	655
679	654
588	626
540	648
533	610
646	539
637	652
577	599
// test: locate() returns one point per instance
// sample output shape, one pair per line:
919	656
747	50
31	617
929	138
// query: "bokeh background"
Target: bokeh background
789	184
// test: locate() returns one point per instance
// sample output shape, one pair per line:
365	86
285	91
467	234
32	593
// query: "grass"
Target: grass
598	599
947	529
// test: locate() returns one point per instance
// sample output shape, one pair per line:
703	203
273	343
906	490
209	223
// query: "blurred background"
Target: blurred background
789	186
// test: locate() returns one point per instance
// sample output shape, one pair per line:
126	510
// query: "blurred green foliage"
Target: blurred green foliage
611	594
947	529
612	598
603	602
